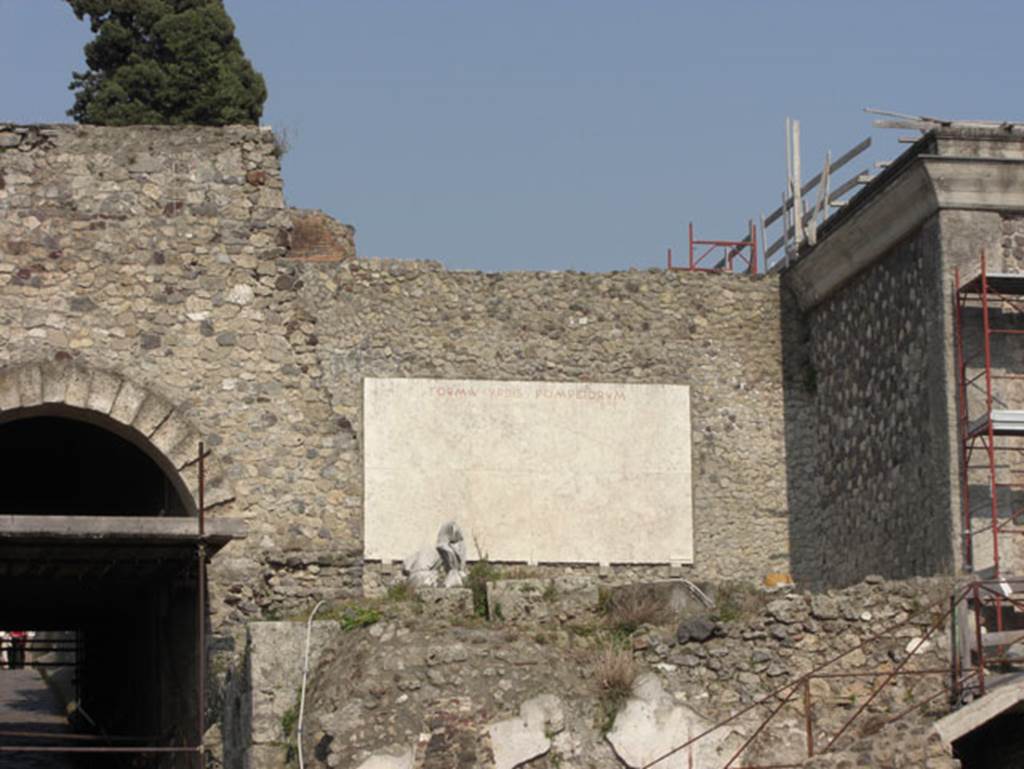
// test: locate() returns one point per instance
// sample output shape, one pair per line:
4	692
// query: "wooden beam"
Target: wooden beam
841	161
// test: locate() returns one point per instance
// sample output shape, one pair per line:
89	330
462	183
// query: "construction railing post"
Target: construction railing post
691	246
979	648
201	614
753	248
808	723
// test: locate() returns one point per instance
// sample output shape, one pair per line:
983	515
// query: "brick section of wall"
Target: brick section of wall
317	237
881	469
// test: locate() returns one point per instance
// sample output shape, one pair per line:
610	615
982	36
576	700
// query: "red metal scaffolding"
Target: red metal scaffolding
987	307
721	255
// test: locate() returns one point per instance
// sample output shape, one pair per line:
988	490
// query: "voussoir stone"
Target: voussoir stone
30	385
169	434
152	413
128	402
103	391
77	392
55	382
10	398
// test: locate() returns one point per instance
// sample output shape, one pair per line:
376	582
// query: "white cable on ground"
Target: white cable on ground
305	675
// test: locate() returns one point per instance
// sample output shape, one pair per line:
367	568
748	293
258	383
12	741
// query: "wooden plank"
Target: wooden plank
798	209
1004	638
864	177
820	198
841	161
906	125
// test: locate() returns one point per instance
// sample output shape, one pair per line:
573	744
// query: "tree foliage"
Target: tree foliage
164	62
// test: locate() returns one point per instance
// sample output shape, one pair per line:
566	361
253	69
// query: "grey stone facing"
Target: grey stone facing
880	466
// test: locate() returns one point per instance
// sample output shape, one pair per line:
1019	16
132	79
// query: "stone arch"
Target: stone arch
133	411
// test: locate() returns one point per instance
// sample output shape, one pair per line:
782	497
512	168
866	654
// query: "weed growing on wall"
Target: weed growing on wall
736	601
627	609
480	573
615	672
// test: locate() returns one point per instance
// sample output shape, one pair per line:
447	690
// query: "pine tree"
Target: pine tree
164	62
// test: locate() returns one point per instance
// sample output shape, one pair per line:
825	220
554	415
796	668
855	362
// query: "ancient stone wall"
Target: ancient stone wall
719	334
876	497
535	686
159	257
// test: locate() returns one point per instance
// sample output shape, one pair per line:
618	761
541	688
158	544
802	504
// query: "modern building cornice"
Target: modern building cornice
917	186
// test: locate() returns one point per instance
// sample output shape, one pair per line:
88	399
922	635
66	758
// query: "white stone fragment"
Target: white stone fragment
240	294
518	740
651	724
385	761
914	646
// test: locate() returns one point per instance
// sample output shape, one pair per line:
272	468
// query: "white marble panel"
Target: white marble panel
532	471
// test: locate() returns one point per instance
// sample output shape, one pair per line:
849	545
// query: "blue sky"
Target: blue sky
566	134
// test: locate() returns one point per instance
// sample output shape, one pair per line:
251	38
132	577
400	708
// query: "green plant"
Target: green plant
550	592
479	574
168	62
289	720
604	599
615	673
401	592
353	617
282	142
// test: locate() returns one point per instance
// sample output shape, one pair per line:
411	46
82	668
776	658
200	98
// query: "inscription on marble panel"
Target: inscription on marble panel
532	471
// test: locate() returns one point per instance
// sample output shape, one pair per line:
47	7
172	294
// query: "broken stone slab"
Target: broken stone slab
276	655
651	725
446	602
388	761
518	740
519	600
678	597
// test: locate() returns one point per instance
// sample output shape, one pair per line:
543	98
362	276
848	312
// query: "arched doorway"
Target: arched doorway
104	547
64	465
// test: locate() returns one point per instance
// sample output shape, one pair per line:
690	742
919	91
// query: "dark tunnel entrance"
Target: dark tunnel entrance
59	466
100	558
